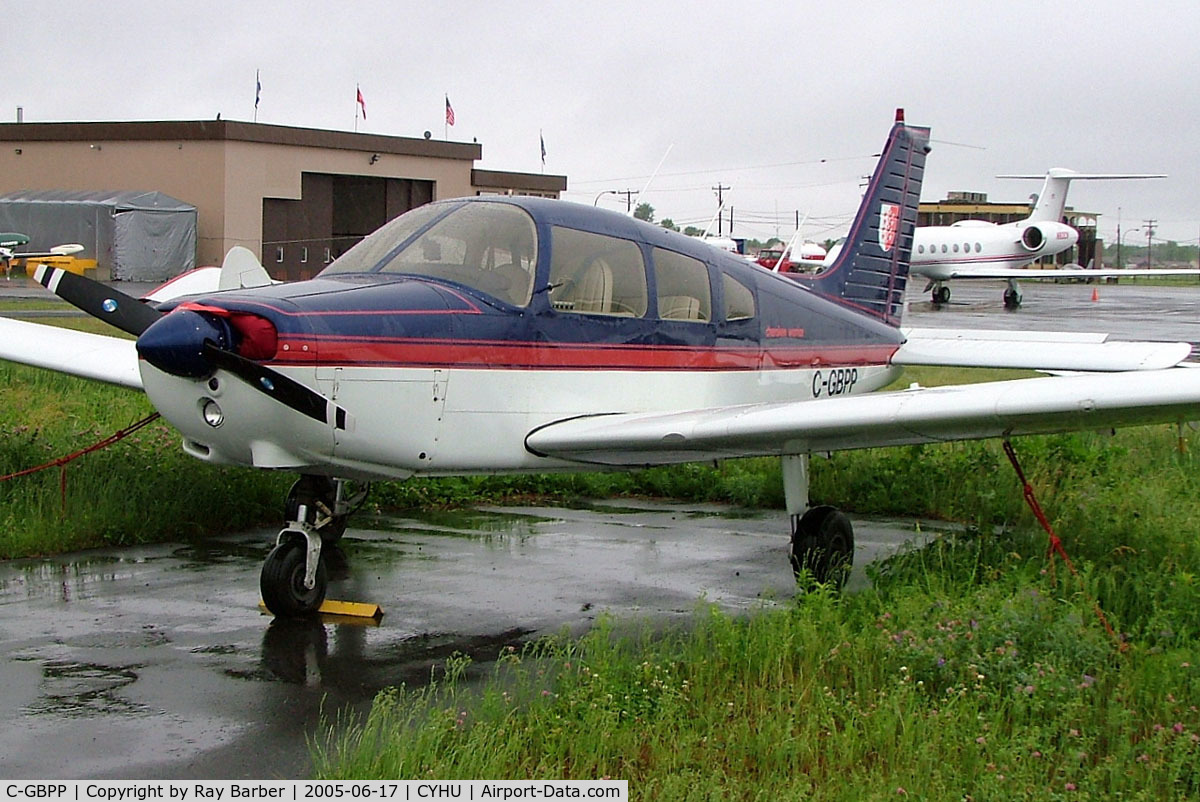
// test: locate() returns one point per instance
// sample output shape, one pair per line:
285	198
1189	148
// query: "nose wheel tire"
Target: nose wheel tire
822	546
282	581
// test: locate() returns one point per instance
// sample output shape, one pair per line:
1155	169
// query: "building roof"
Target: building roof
122	200
235	131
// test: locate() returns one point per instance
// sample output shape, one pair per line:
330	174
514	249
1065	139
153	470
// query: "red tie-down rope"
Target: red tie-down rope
61	462
1056	544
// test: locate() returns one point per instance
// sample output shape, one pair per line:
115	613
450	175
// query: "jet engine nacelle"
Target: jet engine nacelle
1048	237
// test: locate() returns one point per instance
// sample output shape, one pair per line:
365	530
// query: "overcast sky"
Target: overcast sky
785	102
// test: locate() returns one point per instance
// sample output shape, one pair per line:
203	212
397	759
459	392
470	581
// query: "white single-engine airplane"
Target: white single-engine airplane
9	241
513	334
977	249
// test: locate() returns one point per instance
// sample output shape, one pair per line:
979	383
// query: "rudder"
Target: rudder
871	271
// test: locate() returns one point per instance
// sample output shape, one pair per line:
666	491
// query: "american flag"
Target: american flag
449	112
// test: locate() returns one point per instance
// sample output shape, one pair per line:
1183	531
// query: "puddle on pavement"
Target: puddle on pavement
84	690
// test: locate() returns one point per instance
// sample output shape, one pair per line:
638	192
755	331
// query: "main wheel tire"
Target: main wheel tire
823	546
941	295
282	581
308	490
1012	300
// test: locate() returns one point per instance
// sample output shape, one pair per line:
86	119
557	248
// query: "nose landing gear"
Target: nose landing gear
294	577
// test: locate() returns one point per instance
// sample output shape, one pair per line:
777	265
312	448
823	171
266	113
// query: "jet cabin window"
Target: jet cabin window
491	247
595	274
683	291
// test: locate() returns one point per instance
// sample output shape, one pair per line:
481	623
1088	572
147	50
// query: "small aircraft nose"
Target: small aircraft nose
175	343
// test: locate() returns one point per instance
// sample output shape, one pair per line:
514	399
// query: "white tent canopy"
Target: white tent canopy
133	236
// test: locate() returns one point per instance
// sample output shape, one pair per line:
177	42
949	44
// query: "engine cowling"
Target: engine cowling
1050	237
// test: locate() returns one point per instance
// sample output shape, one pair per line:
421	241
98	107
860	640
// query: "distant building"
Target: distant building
975	206
296	197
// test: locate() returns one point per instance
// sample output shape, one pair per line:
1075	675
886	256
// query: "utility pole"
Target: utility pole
720	190
1149	234
628	193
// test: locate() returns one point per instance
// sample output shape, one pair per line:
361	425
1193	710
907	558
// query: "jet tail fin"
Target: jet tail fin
1052	200
871	270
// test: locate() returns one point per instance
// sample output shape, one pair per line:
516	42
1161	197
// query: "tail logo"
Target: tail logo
889	225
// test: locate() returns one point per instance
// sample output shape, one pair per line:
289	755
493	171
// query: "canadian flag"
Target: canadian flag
362	104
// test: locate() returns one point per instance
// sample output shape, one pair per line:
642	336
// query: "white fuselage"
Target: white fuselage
977	248
407	421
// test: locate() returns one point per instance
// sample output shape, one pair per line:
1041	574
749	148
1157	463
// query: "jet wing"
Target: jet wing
79	353
1034	350
1067	273
931	415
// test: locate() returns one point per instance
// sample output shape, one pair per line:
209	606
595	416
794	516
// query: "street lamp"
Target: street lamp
1120	238
605	192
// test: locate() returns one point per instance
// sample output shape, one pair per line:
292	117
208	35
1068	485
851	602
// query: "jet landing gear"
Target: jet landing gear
1012	296
294	576
940	294
822	546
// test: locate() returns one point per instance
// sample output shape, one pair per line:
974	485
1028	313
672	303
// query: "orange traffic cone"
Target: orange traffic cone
1095	294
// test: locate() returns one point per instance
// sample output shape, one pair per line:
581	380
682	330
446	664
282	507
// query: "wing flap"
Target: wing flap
79	353
1035	351
939	414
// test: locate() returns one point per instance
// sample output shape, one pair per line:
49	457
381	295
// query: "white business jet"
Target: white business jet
977	249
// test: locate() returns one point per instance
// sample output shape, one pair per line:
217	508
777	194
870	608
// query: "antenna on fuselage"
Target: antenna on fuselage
653	175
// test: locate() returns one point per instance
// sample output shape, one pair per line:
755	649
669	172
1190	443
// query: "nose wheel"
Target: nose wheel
284	578
294	576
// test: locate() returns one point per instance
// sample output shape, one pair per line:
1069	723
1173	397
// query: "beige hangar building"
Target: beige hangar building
296	197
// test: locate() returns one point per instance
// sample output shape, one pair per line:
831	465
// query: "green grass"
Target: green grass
972	668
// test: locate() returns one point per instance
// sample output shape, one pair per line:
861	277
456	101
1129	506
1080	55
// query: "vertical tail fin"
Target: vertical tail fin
871	271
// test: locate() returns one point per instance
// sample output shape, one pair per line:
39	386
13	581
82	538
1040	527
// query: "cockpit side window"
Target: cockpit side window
490	247
594	274
683	288
739	300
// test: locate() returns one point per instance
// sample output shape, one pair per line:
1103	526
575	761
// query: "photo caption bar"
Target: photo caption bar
311	790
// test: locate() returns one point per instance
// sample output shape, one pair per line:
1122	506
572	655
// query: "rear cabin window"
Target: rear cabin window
683	289
739	300
594	274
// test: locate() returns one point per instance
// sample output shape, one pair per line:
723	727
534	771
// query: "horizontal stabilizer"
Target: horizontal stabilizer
1050	351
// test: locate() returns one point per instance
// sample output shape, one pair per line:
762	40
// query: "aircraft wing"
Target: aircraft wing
1034	350
79	353
930	415
1067	273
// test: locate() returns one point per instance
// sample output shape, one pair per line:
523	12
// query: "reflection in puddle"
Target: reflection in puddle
83	690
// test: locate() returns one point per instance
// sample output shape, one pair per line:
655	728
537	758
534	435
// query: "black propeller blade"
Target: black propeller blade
283	389
100	301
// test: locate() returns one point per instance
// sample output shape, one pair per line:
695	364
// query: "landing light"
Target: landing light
213	415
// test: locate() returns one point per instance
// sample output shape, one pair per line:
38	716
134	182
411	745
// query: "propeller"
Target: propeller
193	340
99	300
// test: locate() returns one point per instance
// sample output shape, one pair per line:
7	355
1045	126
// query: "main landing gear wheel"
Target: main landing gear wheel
822	546
941	295
1012	299
282	580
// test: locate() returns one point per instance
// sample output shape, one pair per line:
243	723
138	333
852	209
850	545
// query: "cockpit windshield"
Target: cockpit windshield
491	247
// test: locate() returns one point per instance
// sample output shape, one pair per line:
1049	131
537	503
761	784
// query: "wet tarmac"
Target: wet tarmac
1127	311
155	662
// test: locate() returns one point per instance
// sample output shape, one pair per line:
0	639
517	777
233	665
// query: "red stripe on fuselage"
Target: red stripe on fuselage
501	355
